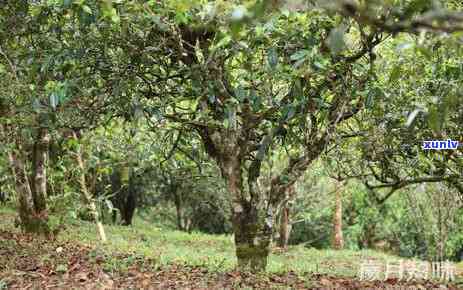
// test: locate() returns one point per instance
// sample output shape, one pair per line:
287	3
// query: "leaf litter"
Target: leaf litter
33	263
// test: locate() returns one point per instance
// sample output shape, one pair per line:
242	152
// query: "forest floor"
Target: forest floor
148	257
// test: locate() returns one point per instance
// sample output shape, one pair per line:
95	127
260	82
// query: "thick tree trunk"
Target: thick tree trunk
86	194
32	206
253	236
126	196
338	241
39	171
252	223
32	220
130	205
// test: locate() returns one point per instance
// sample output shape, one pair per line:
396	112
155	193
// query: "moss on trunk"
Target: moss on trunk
251	257
253	235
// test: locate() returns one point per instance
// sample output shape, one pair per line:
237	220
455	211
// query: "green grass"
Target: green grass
215	252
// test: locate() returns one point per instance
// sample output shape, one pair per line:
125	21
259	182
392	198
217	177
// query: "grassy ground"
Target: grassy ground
152	249
215	252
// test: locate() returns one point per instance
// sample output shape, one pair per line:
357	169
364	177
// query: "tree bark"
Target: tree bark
252	222
253	236
179	209
33	216
338	241
285	218
126	196
130	205
40	169
86	194
285	226
32	220
368	236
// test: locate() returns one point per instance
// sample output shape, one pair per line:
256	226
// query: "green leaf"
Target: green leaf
452	71
223	42
54	100
67	3
256	101
182	5
336	40
259	9
425	51
301	54
36	106
272	57
284	178
297	90
72	143
263	148
115	17
319	64
235	28
299	63
46	64
395	74
411	118
87	9
374	93
73	214
434	120
289	112
452	100
417	6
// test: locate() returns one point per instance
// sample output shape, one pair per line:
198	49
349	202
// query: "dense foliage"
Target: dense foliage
244	117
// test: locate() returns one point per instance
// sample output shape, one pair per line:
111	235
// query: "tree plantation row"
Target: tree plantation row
275	121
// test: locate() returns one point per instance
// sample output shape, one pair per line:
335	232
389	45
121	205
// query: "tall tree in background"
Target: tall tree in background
285	219
338	240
